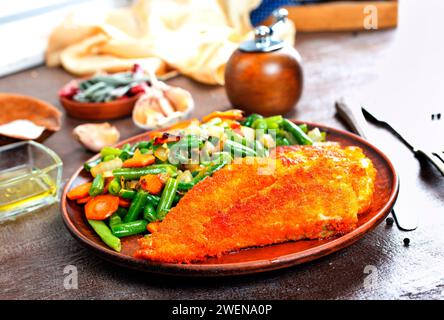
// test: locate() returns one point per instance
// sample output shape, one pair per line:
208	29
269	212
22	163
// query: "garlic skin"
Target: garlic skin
95	136
162	106
21	129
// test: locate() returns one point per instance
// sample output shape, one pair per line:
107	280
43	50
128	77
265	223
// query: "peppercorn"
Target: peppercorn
389	221
406	242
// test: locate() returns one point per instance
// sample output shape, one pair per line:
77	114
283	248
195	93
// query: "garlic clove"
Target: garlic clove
166	107
179	98
95	136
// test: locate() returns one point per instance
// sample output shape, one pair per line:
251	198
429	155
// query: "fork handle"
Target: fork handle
433	158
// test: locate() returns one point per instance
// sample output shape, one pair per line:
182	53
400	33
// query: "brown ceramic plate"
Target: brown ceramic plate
99	110
247	260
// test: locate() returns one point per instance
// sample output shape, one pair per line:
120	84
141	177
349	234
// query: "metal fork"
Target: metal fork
435	156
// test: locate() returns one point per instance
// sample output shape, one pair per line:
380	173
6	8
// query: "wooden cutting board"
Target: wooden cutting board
341	15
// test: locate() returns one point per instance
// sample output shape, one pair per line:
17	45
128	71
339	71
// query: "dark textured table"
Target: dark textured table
35	250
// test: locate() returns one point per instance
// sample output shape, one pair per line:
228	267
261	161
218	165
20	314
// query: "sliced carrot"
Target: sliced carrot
176	127
124	203
101	207
155	134
139	160
152	183
233	114
184	124
79	192
153	226
235	126
83	200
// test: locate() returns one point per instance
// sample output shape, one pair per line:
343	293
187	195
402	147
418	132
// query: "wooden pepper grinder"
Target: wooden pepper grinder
264	75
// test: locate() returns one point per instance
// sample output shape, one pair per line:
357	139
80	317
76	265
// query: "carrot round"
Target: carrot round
79	192
84	200
233	114
139	160
152	183
101	207
124	203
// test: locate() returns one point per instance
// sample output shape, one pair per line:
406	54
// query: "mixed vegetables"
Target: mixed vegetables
135	186
107	87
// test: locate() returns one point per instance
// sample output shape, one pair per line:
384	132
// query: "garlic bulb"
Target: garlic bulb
95	136
162	105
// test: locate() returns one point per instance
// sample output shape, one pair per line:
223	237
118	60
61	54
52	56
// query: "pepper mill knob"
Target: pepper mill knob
264	75
262	33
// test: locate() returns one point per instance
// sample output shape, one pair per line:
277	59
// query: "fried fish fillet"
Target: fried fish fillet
303	192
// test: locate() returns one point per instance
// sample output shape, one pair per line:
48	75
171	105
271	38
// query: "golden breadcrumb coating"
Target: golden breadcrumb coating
303	192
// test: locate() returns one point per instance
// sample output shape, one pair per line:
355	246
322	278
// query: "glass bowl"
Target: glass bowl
30	178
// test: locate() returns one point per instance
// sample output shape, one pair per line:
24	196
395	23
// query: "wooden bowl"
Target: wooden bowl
19	107
99	110
250	260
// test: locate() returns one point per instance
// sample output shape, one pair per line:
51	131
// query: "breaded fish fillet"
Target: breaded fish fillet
303	193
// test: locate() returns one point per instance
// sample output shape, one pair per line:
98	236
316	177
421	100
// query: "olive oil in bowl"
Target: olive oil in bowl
29	178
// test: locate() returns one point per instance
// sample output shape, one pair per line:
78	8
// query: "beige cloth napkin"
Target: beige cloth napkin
196	37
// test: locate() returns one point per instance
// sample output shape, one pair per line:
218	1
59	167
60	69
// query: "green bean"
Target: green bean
127	194
136	173
130	194
282	141
109	157
136	206
260	124
141	145
304	127
185	186
106	151
208	171
176	199
274	122
297	132
114	187
105	234
114	219
238	149
149	213
145	151
187	143
166	200
126	147
236	137
97	186
125	154
248	122
272	126
152	199
122	212
91	164
289	137
129	228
